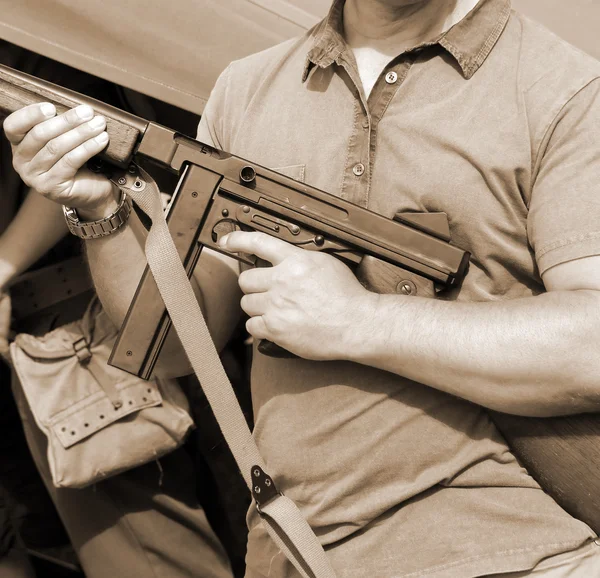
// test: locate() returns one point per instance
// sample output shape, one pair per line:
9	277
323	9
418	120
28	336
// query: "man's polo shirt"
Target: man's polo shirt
495	123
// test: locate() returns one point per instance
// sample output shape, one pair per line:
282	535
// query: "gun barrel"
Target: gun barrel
18	89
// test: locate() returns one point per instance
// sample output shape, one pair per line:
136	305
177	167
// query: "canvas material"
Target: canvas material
99	420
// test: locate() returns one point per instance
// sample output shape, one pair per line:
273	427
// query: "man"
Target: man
398	105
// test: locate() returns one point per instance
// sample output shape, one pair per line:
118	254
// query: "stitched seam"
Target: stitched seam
401	79
375	129
582	552
349	147
552	124
122	510
490	41
565	242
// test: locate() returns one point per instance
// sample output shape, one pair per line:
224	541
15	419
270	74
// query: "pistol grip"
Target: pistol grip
271	349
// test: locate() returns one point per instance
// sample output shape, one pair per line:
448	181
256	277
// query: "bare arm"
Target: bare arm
36	228
535	356
19	249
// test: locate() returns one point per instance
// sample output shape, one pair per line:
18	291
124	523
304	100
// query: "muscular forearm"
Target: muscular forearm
37	227
534	356
116	263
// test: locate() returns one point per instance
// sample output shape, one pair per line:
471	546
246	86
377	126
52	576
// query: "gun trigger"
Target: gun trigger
435	224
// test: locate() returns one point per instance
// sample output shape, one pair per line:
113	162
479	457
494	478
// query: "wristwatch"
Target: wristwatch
101	227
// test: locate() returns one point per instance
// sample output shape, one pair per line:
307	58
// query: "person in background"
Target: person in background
149	518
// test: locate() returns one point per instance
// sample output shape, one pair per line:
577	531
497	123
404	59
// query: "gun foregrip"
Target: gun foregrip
18	90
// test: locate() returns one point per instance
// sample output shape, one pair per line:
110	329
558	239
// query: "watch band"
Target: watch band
101	227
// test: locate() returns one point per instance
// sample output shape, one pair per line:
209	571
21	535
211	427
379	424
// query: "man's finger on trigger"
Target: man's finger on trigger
259	244
70	163
20	122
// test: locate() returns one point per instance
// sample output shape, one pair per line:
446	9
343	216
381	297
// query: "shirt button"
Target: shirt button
391	77
365	123
358	169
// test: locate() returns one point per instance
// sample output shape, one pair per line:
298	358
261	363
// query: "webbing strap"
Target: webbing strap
282	518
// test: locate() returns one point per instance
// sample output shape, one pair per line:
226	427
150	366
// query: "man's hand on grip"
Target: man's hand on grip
50	152
308	302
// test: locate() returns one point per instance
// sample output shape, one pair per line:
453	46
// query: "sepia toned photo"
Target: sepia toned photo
299	289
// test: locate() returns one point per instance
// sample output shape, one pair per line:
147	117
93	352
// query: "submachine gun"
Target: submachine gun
410	254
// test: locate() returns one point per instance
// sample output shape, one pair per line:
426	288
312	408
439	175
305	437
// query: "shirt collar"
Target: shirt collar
469	41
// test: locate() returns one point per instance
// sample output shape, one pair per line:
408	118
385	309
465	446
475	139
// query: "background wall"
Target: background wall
176	55
577	21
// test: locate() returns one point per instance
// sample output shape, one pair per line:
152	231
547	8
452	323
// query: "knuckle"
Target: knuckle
277	300
254	243
259	239
71	118
297	268
17	162
267	326
90	145
7	125
20	167
38	132
84	129
51	148
278	275
70	160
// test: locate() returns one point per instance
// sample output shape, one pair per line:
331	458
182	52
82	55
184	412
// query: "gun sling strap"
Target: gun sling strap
282	518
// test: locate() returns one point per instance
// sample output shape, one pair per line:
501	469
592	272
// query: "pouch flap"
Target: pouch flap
57	344
99	412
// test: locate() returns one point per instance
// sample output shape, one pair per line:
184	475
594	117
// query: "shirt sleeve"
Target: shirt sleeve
211	129
564	214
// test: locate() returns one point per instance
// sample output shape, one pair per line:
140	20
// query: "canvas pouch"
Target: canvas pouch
99	420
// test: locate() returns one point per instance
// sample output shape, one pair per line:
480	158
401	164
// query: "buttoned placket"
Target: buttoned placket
360	156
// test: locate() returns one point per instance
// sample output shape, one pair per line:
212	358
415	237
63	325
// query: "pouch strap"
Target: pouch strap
88	360
281	517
